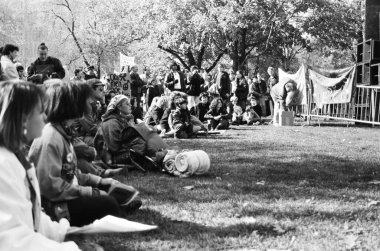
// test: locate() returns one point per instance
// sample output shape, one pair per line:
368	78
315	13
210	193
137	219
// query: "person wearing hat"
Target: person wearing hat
284	94
45	67
96	107
175	80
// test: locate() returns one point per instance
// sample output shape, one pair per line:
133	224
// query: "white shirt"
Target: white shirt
16	218
177	86
8	68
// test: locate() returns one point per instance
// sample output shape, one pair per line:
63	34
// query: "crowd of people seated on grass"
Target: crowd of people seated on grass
61	142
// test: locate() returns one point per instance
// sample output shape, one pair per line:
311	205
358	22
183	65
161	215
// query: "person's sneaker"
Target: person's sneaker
112	172
133	206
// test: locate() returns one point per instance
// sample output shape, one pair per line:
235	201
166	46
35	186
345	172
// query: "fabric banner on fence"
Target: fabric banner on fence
336	90
300	78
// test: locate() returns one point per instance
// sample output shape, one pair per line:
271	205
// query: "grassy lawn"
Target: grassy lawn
294	188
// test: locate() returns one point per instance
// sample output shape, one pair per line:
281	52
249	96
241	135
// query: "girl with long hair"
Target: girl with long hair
24	226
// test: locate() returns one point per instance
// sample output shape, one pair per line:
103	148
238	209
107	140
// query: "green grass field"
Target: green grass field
280	188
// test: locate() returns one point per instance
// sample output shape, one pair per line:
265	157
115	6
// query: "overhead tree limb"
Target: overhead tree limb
175	54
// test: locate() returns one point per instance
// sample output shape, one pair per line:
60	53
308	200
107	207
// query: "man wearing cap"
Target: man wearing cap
284	94
175	80
96	107
45	67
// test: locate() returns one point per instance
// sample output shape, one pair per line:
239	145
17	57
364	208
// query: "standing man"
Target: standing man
223	83
272	81
45	67
193	90
8	67
175	80
259	89
136	92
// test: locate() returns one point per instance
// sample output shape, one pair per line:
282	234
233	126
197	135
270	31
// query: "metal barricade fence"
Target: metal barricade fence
363	108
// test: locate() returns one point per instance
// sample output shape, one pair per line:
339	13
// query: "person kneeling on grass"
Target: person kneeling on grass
65	191
183	128
217	115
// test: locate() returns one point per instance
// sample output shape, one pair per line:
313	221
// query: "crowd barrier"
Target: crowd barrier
363	108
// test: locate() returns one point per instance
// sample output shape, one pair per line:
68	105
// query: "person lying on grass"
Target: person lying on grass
65	191
217	115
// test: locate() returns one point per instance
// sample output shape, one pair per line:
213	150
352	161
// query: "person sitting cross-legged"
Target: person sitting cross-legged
217	115
183	128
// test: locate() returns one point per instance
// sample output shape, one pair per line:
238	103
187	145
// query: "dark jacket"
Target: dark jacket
52	67
241	89
136	85
120	136
223	83
214	113
258	88
202	110
194	85
169	81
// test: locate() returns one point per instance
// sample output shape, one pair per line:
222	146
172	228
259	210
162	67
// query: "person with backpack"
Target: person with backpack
8	67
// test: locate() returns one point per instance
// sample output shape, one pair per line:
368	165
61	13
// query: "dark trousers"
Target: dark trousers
85	210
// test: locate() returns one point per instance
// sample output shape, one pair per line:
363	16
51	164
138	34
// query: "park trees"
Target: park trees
200	32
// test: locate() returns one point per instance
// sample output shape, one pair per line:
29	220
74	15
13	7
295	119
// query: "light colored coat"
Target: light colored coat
8	68
16	218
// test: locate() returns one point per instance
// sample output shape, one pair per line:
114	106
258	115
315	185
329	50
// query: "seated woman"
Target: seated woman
155	113
217	115
120	135
24	226
65	191
203	106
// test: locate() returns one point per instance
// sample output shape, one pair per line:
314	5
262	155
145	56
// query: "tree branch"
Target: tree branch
215	62
175	54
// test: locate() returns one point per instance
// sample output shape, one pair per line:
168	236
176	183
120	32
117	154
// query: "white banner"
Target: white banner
126	61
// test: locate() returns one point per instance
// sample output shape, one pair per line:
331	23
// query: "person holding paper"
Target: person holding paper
23	226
